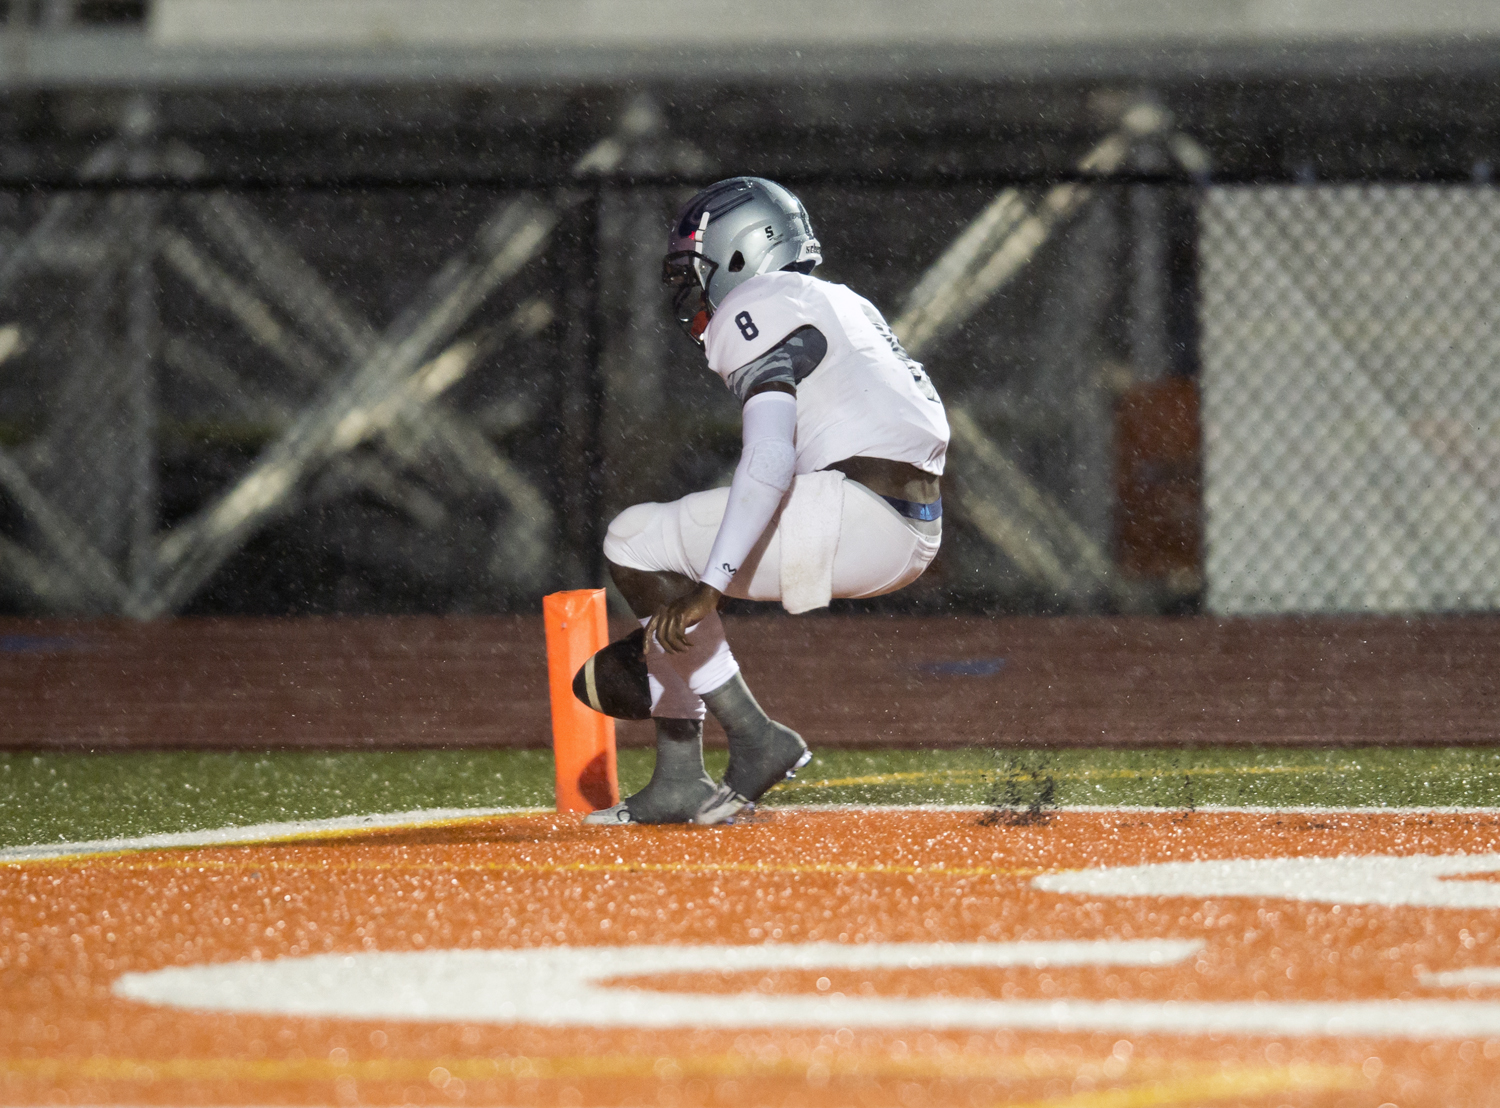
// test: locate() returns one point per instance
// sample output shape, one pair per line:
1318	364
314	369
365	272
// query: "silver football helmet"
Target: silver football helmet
732	231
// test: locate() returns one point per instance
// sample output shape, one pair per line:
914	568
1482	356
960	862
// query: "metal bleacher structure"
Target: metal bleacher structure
358	299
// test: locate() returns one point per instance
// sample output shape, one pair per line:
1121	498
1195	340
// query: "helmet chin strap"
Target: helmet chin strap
699	325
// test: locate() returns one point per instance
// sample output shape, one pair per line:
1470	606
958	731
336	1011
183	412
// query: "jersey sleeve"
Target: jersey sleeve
753	319
787	363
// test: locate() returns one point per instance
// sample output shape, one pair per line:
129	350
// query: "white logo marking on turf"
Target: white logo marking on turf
1421	881
564	987
560	986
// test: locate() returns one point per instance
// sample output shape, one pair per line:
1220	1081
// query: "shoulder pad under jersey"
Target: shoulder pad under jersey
756	317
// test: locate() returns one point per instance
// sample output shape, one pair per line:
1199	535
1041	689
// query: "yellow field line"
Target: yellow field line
1219	1086
837	869
952	775
1012	1067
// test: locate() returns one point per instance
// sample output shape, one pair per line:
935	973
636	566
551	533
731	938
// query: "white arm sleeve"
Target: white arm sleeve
767	466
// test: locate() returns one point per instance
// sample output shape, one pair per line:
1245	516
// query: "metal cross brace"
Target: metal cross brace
354	408
417	427
389	389
357	405
92	577
303	295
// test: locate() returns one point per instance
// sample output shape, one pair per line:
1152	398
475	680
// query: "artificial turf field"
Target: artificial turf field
1090	928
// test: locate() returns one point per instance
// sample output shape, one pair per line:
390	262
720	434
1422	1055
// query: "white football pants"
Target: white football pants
879	550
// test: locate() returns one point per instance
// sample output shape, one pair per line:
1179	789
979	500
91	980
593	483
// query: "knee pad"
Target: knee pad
624	527
614	681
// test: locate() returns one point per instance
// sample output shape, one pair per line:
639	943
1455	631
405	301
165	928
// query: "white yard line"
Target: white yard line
290	831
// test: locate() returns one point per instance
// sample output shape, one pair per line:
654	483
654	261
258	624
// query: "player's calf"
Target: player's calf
762	752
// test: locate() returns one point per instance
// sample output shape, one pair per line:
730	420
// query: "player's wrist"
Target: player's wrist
716	578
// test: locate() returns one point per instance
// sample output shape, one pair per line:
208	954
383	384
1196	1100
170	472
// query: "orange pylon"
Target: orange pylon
583	741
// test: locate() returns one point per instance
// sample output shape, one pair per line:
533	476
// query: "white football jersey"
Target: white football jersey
867	397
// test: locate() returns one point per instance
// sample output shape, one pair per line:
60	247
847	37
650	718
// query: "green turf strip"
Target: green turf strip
1270	776
73	797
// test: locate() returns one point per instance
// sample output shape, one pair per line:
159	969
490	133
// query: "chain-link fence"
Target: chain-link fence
1351	398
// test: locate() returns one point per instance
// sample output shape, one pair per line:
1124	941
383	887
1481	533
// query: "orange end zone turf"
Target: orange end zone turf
583	741
1096	959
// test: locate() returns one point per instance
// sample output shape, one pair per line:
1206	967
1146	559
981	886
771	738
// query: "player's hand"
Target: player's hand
671	621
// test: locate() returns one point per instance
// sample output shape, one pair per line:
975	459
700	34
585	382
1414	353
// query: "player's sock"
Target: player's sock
670	696
679	784
707	662
761	751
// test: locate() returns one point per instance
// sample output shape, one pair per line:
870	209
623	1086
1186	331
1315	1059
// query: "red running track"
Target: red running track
841	680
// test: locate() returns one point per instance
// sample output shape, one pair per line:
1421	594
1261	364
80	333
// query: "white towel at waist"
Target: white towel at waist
809	538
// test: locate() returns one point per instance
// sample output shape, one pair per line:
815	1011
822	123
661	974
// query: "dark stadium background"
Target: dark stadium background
376	169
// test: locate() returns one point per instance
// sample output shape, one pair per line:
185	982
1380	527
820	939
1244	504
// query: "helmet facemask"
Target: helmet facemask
689	273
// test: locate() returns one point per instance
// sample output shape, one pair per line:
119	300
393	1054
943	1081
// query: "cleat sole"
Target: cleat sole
618	816
722	807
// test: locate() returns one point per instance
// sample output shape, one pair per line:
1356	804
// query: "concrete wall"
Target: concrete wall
796	23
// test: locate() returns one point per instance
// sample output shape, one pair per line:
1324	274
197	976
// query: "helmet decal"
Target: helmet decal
735	193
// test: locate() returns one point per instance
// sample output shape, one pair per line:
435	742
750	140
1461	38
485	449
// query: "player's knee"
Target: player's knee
626	526
647	590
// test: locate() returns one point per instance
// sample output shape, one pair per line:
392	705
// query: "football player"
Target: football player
836	493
